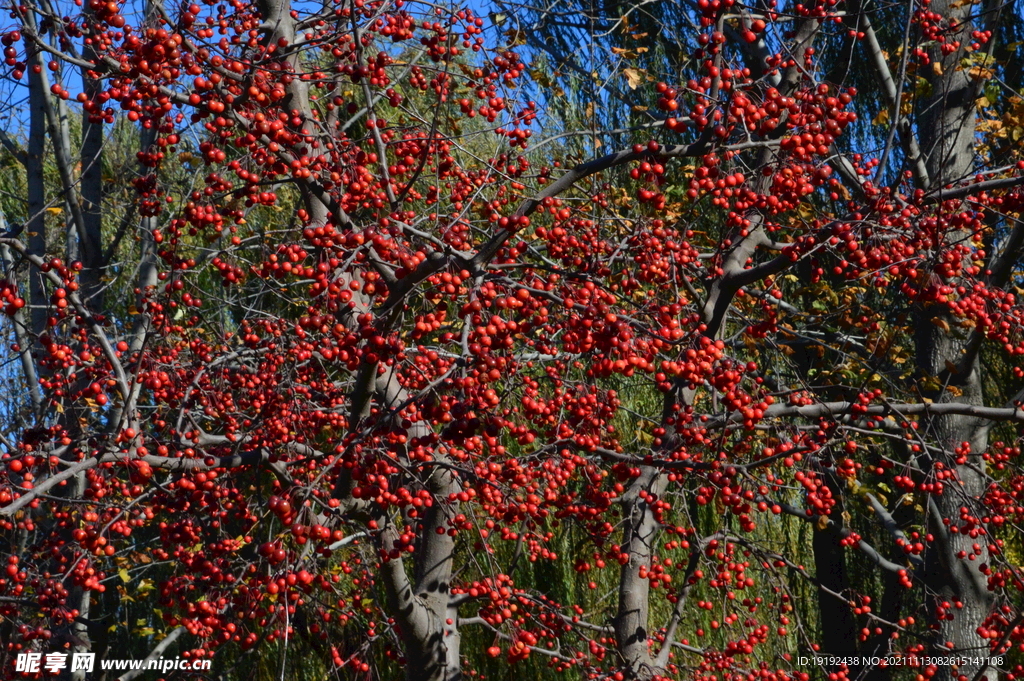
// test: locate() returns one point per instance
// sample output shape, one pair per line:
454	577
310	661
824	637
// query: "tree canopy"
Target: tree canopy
371	338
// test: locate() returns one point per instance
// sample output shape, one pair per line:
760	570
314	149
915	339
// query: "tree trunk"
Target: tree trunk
34	163
947	133
90	249
838	627
640	533
432	651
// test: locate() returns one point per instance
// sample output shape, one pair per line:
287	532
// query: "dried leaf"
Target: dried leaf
979	73
633	77
515	37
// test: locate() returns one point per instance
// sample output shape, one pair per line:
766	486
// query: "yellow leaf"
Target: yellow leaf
882	117
936	68
941	323
822	522
633	77
55	210
123	574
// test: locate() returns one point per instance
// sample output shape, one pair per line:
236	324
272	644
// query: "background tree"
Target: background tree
333	368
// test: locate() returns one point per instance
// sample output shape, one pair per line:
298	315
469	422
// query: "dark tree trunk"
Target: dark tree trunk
90	249
35	226
838	626
947	138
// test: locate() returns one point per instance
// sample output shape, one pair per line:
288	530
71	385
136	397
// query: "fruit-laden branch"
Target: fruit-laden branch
892	527
159	462
76	302
488	250
677	612
829	409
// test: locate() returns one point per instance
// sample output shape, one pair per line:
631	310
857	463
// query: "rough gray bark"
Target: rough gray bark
947	134
639	534
433	652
